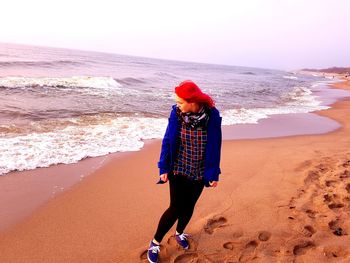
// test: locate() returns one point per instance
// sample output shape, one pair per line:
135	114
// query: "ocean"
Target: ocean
61	105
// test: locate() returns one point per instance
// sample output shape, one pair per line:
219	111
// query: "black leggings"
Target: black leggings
184	194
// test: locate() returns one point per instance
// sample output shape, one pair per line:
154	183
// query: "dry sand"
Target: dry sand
279	200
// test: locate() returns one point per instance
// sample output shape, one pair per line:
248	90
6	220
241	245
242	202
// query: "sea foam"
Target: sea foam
81	138
75	143
68	82
299	100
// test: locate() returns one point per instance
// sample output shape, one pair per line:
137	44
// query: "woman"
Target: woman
189	159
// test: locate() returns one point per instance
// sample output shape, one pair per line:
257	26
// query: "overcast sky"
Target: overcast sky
281	34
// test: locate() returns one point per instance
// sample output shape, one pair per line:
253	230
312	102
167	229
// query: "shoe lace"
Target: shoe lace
183	236
154	249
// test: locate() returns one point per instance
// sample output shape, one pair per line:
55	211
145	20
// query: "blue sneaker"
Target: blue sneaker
182	240
152	253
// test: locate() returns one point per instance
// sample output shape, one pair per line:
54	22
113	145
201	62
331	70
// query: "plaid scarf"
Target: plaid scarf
192	119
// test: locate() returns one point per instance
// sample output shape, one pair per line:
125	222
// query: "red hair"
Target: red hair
190	92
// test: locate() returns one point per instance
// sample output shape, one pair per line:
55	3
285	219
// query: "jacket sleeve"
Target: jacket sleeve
219	142
217	154
213	151
165	153
164	160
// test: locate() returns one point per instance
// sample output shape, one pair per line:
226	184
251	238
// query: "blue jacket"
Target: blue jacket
168	152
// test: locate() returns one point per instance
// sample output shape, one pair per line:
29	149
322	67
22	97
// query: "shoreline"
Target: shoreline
63	177
28	160
70	216
39	186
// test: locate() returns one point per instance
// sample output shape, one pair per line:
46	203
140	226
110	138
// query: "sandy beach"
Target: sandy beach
283	199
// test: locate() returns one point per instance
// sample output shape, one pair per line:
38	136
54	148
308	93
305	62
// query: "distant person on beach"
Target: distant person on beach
189	160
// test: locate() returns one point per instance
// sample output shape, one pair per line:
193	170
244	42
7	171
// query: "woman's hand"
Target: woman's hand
213	183
164	177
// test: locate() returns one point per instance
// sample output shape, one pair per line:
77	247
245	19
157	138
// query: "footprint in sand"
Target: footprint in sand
335	205
330	183
334	251
173	243
347	188
346	199
187	258
309	231
237	234
306	231
311	177
327	198
310	213
345	174
248	252
332	201
264	236
346	163
228	245
231	244
322	168
302	247
143	255
214	223
335	226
